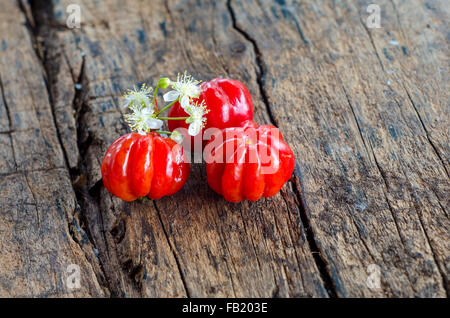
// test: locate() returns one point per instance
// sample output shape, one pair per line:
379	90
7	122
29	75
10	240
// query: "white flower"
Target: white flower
176	136
140	97
142	119
196	119
185	88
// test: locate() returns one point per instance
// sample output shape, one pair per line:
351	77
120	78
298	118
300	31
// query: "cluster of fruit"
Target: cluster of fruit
243	160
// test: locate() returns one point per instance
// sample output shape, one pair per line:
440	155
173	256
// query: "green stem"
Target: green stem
154	96
173	118
163	132
166	107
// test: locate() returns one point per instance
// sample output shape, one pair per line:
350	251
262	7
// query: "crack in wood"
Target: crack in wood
222	238
123	256
321	262
426	131
34	31
317	256
8	113
172	248
391	210
372	42
260	72
445	281
283	194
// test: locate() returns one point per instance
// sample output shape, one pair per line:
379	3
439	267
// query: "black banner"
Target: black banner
220	307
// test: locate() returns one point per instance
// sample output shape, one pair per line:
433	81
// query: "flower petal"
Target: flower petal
194	129
196	92
154	123
171	96
147	111
184	101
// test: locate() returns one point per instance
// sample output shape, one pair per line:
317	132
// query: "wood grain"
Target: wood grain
365	111
38	203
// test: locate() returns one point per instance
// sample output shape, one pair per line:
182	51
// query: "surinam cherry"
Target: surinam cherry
146	163
243	160
228	101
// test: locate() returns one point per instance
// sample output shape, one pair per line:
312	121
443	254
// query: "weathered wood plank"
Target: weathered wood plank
373	185
195	244
365	110
37	201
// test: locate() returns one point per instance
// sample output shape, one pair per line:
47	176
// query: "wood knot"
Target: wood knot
237	47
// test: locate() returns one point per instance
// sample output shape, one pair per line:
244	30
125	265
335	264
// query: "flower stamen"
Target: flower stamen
141	97
197	119
184	89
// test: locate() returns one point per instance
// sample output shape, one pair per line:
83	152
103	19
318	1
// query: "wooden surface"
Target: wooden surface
366	112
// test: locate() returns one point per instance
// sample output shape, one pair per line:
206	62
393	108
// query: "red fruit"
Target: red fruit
248	162
228	101
138	165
